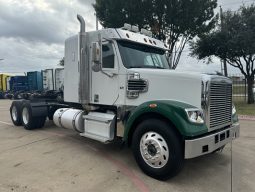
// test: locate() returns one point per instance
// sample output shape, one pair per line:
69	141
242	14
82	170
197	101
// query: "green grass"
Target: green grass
243	108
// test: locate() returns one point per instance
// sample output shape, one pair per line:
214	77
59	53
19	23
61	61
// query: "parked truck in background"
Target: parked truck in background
59	79
53	79
118	83
34	80
44	83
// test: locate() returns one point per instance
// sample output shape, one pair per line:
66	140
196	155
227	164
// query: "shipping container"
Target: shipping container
8	86
34	80
18	83
3	83
48	79
59	79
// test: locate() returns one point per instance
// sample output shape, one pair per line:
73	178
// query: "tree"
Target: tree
235	42
174	21
62	62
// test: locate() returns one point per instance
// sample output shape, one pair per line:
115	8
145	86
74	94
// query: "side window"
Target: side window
108	56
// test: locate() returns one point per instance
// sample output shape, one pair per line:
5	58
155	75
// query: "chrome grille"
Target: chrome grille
220	107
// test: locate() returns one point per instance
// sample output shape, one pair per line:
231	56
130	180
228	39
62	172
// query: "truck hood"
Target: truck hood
169	85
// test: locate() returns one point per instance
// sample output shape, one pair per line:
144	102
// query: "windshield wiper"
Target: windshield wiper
159	67
150	67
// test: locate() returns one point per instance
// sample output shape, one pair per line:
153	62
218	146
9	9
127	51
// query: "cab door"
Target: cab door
105	83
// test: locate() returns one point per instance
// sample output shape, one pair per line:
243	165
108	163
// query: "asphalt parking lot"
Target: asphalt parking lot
55	159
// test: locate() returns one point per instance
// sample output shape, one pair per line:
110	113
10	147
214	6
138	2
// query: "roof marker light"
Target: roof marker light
127	27
146	32
134	28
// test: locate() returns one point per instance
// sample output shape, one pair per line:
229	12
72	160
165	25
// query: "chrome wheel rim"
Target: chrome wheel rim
25	115
14	113
154	150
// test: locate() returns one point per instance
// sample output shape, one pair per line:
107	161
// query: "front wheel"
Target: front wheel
157	149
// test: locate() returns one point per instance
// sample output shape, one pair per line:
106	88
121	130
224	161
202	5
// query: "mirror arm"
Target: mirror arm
107	74
101	51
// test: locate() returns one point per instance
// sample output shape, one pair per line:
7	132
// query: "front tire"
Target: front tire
157	149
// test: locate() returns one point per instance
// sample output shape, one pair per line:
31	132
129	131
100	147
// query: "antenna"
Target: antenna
231	165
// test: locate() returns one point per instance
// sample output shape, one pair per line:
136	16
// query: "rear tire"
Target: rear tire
29	122
157	149
41	122
15	112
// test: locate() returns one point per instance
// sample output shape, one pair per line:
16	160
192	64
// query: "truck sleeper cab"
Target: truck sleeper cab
118	84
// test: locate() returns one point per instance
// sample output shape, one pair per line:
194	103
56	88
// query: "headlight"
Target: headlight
233	109
195	115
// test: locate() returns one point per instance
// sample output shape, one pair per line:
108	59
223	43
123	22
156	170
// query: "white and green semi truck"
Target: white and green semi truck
118	83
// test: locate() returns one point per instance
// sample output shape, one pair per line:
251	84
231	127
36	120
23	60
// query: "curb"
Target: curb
246	117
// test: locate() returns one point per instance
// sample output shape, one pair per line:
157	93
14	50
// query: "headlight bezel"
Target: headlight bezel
195	115
233	109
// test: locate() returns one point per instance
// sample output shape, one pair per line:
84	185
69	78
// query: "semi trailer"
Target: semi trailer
118	84
3	82
34	81
45	83
59	79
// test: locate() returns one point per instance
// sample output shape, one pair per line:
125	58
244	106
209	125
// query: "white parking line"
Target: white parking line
6	123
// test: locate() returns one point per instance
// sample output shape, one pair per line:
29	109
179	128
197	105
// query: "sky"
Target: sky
32	33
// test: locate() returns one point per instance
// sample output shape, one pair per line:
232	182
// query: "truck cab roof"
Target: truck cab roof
126	35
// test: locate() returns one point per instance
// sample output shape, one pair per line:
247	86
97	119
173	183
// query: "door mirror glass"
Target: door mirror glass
96	52
96	56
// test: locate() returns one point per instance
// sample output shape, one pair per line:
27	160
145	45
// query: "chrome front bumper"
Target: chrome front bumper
209	143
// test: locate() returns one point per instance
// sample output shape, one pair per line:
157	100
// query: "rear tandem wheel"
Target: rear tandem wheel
30	122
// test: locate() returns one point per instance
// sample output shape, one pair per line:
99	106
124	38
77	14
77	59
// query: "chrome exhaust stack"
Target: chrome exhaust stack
82	23
84	82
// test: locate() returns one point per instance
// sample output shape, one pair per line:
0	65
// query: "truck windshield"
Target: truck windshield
135	55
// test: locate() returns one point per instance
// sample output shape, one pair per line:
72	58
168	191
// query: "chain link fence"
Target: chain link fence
240	87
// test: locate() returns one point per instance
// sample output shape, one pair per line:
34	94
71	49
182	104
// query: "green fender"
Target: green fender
174	111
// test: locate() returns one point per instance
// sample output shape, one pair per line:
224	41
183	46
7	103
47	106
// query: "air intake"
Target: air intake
136	85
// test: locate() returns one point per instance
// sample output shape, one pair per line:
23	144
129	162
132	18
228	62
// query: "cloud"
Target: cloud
23	57
188	63
87	2
32	32
38	20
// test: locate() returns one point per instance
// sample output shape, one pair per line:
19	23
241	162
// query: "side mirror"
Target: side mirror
96	56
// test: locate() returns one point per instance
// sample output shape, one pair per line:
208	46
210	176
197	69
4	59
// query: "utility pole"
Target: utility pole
96	21
222	28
